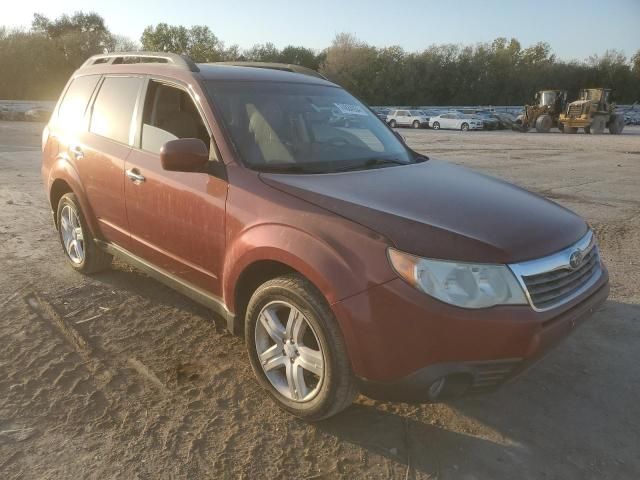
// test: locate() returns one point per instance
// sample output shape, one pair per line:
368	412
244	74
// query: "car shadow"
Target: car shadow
576	411
573	412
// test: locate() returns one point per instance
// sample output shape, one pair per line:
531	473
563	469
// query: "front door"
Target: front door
176	219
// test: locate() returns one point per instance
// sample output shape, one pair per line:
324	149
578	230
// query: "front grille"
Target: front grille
556	286
575	110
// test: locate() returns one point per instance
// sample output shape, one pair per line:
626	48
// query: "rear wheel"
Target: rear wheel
393	124
436	126
296	349
415	124
568	129
464	127
77	242
544	123
616	124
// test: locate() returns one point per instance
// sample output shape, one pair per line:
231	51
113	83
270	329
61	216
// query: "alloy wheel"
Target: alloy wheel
289	351
72	235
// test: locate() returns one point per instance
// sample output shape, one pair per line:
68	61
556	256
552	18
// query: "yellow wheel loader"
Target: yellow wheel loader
593	111
543	114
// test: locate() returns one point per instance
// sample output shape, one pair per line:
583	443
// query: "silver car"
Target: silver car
407	118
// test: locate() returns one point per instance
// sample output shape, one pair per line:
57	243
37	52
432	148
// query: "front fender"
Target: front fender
337	270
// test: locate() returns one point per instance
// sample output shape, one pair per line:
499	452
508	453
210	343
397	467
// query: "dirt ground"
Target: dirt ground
116	376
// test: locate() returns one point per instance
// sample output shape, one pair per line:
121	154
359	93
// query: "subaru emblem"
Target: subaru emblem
575	259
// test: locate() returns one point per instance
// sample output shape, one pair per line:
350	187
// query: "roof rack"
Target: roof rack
116	58
286	67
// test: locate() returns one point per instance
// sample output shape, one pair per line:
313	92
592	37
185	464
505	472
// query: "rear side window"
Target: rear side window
74	103
114	106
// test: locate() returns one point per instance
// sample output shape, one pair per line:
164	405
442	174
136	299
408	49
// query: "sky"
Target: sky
574	30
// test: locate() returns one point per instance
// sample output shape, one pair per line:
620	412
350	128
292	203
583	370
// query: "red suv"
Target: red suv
349	262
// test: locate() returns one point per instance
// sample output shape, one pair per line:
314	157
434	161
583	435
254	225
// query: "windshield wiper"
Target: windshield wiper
372	162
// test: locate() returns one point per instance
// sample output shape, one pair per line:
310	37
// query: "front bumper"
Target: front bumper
400	340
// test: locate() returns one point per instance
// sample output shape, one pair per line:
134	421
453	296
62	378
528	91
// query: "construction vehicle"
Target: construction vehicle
593	111
543	113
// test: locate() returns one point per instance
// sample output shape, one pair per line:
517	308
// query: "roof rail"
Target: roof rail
116	58
287	67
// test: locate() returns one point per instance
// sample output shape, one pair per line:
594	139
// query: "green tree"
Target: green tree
78	36
263	53
199	42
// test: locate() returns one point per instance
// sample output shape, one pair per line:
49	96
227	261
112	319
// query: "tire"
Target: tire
598	124
464	127
393	124
321	392
415	124
544	123
78	244
436	126
567	129
616	124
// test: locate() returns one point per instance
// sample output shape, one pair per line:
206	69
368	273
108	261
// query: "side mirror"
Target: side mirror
184	155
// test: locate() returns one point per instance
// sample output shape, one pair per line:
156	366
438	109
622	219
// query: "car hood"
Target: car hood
439	210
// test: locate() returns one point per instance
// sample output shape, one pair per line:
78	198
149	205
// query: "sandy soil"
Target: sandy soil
116	376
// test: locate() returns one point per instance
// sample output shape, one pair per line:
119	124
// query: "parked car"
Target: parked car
505	119
381	112
407	118
489	121
349	262
455	121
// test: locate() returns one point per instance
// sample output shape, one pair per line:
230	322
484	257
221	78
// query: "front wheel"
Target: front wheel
296	349
436	126
464	127
616	124
77	242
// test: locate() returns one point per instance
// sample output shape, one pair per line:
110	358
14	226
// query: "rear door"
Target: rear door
99	153
176	218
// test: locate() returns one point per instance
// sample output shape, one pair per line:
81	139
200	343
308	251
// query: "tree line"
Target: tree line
35	63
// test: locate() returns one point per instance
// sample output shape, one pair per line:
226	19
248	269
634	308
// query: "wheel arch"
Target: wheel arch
59	187
63	179
265	251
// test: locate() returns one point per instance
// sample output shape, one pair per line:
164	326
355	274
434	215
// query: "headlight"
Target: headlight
466	285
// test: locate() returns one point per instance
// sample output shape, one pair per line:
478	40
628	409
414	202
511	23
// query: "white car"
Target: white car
407	118
455	121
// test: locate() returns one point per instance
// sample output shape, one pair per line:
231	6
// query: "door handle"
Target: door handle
77	152
135	176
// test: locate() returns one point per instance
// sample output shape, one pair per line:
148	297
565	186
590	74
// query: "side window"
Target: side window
114	106
169	113
74	103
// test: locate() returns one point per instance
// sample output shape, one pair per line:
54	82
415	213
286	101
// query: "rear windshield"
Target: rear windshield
294	126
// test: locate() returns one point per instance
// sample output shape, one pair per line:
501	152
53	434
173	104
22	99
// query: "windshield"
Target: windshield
304	128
